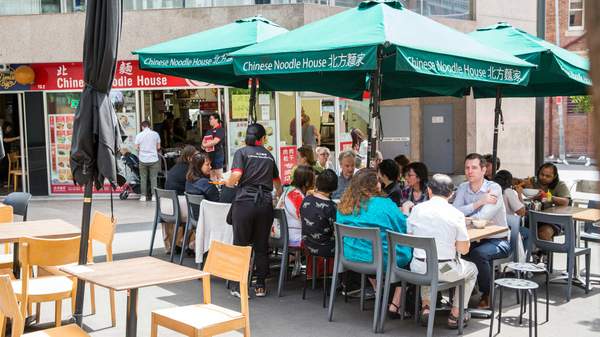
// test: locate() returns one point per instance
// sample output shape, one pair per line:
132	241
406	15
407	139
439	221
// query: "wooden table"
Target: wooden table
132	274
52	228
476	234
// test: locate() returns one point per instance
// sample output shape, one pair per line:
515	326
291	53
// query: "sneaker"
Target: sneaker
260	291
235	293
151	199
142	198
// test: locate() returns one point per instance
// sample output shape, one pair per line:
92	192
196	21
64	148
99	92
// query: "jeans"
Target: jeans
483	253
146	169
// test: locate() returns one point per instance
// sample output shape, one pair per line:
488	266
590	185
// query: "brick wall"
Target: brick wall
577	126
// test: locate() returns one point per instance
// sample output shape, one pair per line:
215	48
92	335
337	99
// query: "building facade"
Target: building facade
43	39
578	129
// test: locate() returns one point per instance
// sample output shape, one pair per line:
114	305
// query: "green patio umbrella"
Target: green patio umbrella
559	72
383	47
204	56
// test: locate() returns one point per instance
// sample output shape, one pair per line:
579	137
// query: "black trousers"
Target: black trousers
252	226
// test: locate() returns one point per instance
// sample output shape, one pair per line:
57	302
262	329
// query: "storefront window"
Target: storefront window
75	5
125	108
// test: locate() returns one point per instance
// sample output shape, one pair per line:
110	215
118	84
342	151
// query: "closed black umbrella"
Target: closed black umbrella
96	132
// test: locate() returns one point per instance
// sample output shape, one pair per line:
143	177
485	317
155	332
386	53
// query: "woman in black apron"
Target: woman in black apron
255	173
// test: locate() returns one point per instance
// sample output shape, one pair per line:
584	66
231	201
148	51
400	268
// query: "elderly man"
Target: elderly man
438	219
482	199
347	161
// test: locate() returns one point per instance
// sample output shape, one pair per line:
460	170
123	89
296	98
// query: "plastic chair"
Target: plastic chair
193	202
430	278
46	252
568	247
342	264
173	218
591	233
10	309
513	224
224	261
19	202
281	243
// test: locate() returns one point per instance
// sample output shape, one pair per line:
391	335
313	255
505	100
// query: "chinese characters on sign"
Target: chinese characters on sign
287	157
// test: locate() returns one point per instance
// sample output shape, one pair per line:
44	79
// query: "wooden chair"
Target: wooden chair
102	230
10	309
14	169
45	252
6	216
224	261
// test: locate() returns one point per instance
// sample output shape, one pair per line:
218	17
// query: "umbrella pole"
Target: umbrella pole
252	110
83	249
497	118
375	107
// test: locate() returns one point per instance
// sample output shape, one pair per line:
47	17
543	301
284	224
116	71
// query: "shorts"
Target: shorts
216	161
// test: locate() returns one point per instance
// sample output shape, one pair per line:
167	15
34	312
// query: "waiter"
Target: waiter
255	172
213	144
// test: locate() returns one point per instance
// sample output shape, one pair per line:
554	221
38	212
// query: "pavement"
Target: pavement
290	315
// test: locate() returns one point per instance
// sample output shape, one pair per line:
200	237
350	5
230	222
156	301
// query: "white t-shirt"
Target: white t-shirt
148	141
511	201
438	219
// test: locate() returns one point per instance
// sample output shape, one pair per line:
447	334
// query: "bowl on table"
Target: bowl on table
530	192
479	223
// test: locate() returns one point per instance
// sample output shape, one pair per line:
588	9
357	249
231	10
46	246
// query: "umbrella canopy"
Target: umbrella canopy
559	72
204	56
421	57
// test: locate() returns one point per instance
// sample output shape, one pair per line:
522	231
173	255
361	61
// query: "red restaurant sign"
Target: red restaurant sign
128	75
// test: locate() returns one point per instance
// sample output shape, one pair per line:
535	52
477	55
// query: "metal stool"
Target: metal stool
516	284
521	269
315	272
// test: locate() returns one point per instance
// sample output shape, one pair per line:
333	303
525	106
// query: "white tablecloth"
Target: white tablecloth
212	225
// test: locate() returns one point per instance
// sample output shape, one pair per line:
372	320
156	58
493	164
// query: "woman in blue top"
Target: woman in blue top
364	205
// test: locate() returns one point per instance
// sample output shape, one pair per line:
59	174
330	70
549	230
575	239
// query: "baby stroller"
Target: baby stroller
128	175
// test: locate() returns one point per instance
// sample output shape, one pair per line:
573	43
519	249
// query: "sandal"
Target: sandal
395	314
424	318
453	321
260	291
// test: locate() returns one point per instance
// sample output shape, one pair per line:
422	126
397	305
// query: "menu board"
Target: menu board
288	159
240	105
237	136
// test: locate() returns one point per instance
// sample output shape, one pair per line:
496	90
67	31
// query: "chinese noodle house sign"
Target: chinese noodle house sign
69	76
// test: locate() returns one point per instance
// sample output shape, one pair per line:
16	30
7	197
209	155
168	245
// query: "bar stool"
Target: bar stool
521	269
519	285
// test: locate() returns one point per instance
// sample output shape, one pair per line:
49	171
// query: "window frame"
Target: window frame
582	10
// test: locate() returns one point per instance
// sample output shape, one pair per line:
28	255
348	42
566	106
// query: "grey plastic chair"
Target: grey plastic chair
342	264
590	233
159	216
430	278
19	202
281	243
193	202
513	224
568	247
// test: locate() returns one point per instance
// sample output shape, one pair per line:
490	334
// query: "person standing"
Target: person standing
147	143
310	135
213	144
482	199
255	173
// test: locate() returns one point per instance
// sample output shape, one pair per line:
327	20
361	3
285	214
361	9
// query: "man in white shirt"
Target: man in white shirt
482	199
438	219
147	143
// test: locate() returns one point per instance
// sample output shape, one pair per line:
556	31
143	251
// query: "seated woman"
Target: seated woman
388	173
306	156
553	192
318	215
176	176
364	205
415	192
198	179
513	202
323	162
303	181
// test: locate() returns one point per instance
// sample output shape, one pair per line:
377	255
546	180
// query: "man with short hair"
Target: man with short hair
482	199
147	143
213	144
438	219
347	161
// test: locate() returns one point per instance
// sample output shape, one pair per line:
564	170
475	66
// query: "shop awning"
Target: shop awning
559	72
420	57
204	56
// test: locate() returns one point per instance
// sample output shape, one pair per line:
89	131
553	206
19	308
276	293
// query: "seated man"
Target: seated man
438	219
347	167
482	199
